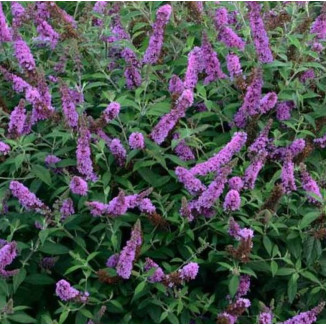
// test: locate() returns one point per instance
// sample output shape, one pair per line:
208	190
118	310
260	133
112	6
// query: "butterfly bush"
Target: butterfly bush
162	162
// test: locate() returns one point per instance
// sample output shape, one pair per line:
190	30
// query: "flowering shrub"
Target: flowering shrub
162	162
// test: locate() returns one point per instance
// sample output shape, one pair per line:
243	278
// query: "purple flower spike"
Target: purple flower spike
128	253
5	34
65	291
153	51
78	186
158	275
4	148
189	271
136	140
24	55
259	34
232	201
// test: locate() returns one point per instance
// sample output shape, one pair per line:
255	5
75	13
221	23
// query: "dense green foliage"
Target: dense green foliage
288	260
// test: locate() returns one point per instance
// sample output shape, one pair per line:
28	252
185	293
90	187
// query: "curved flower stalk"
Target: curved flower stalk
153	51
8	252
259	34
310	185
252	171
169	120
129	253
68	293
251	101
17	120
211	64
307	317
5	34
26	198
223	157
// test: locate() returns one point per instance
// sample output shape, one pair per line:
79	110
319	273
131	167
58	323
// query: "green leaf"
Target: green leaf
39	279
115	306
274	267
233	285
310	276
285	271
42	173
267	244
22	318
19	278
54	249
308	219
139	290
173	318
293	287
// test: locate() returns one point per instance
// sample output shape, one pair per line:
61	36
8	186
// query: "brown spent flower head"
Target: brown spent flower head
273	199
194	12
158	220
243	251
274	21
104	277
